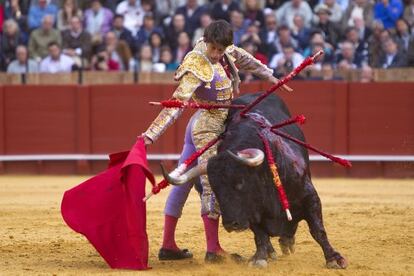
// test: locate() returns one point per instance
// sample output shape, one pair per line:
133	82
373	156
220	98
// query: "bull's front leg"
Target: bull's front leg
263	247
313	216
287	237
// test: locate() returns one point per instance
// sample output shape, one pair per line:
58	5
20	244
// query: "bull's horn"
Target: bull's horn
186	177
250	157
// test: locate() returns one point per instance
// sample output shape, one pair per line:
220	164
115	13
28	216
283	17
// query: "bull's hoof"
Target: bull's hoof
287	245
258	263
337	263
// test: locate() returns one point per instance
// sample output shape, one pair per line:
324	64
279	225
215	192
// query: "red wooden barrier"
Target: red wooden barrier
342	118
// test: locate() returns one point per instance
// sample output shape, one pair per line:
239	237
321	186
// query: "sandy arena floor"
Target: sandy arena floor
370	222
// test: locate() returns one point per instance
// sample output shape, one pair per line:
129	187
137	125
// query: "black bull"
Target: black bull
247	195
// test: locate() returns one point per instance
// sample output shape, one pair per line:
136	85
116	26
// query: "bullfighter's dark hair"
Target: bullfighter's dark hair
219	32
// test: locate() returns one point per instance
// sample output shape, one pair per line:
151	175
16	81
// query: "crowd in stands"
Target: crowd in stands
154	35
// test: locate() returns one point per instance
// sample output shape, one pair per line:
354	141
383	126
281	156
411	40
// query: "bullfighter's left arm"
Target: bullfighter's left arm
245	61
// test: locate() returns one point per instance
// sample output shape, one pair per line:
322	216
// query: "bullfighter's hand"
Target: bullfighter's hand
147	141
274	80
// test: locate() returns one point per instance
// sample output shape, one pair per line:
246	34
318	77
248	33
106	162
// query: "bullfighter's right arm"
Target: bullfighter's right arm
188	84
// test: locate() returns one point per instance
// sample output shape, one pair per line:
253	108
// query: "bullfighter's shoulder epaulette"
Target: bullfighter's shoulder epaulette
198	64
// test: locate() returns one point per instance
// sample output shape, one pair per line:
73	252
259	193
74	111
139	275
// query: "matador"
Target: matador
208	74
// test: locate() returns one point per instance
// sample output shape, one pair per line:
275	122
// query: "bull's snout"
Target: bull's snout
235	226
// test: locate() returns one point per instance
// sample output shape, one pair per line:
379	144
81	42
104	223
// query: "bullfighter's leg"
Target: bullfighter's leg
207	126
313	216
287	237
262	241
174	206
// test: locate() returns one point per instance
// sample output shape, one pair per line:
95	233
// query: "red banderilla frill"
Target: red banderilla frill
276	178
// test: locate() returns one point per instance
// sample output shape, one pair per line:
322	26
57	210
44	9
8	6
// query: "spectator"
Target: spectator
300	33
156	42
221	9
205	20
56	62
409	14
328	73
317	41
177	26
403	34
118	51
103	62
77	43
268	35
392	58
358	9
329	29
123	33
192	13
360	46
363	31
42	37
325	73
68	10
133	14
22	64
252	49
145	59
410	53
252	34
10	39
346	59
98	21
146	29
388	11
253	12
290	8
374	44
284	38
167	59
285	61
367	74
38	11
125	56
316	67
335	11
18	10
239	25
273	4
184	46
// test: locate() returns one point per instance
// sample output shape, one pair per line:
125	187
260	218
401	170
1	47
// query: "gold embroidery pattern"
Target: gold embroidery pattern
188	84
198	64
223	84
207	126
225	94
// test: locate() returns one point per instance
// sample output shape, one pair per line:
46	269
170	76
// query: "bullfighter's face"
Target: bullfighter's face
215	52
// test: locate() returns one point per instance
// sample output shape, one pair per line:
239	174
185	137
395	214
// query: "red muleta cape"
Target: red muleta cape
108	209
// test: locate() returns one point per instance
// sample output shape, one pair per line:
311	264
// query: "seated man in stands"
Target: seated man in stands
392	57
41	37
56	62
22	64
76	42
